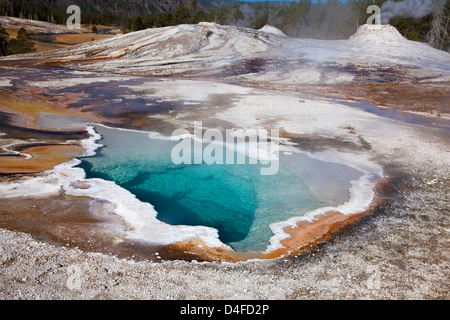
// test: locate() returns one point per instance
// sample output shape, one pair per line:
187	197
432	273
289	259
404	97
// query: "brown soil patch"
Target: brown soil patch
416	96
72	39
431	98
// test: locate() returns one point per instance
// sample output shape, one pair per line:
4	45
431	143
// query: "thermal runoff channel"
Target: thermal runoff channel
236	199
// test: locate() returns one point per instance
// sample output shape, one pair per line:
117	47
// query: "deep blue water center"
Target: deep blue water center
235	199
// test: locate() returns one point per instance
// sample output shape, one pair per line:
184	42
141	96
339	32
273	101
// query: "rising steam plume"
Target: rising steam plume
408	8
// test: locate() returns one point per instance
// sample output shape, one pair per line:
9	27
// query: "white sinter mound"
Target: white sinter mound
243	54
37	26
269	29
373	33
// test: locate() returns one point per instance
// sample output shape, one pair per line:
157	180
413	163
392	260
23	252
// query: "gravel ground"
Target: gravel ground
399	251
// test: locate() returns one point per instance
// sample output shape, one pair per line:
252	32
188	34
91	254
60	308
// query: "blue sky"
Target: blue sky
270	0
275	0
278	0
264	0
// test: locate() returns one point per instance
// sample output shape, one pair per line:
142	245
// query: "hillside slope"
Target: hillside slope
374	54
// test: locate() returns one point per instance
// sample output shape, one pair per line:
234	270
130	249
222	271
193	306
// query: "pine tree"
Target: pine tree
138	24
194	5
182	14
22	43
3	41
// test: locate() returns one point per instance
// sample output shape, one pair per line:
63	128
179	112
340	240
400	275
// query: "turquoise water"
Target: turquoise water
235	199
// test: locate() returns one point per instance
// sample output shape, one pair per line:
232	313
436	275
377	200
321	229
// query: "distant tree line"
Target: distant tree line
330	19
21	44
185	14
31	10
38	10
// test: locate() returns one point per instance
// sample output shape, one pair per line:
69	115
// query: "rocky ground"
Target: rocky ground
399	251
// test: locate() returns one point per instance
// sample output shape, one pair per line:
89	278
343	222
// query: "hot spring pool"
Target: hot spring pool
234	199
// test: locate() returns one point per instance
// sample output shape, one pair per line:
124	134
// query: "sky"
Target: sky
314	1
271	0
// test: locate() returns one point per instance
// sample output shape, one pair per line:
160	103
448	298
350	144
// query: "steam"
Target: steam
407	8
249	15
334	24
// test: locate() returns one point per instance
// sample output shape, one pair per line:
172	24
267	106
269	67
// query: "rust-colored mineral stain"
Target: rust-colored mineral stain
306	233
44	158
303	235
199	249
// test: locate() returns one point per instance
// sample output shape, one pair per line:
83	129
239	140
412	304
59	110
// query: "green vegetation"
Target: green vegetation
21	44
183	14
3	41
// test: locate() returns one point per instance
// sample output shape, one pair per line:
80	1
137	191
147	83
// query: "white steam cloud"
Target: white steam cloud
407	8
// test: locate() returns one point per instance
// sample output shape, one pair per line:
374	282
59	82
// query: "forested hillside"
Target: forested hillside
99	11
